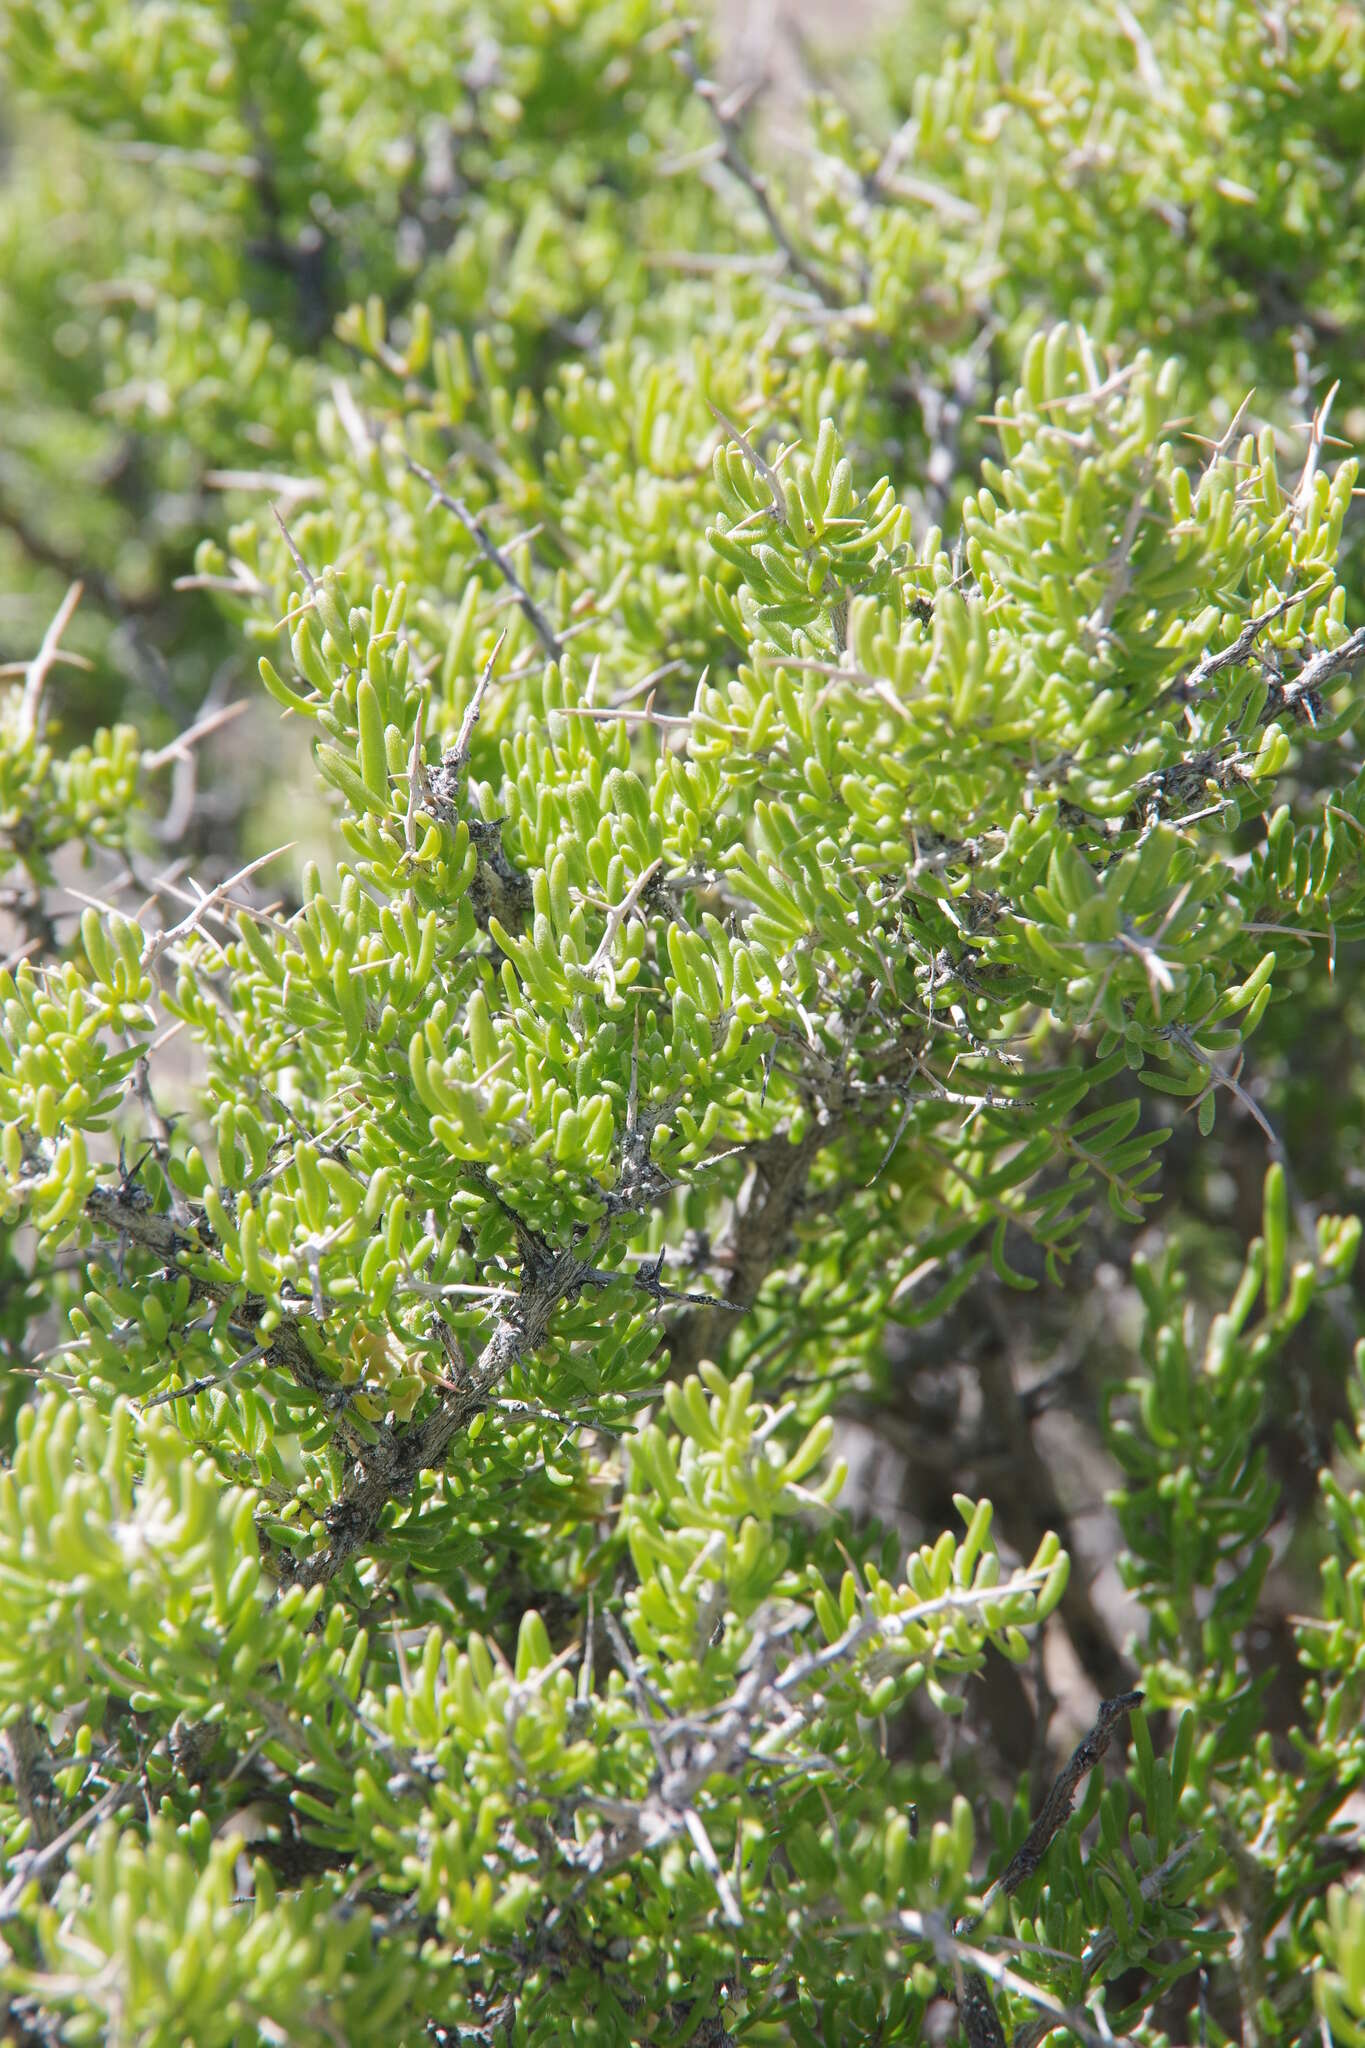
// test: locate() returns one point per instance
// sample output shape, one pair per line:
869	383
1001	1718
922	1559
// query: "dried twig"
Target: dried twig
160	941
49	653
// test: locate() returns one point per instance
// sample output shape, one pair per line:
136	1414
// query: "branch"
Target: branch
1210	665
158	943
944	411
36	674
388	1469
31	1863
754	183
979	2017
26	1761
493	554
1035	1505
1056	1808
1106	1941
498	889
385	1469
1324	666
765	1211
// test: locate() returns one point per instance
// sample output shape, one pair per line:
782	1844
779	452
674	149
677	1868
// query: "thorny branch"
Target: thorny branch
1056	1808
755	184
1191	686
1325	666
765	1212
160	942
492	554
979	2018
38	670
750	1730
387	1468
498	889
753	1730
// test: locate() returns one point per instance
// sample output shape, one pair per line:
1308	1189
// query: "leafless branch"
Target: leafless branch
159	942
492	554
755	184
38	670
974	1999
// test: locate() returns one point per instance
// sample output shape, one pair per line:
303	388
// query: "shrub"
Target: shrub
828	755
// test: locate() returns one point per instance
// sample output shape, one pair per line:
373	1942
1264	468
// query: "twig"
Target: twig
1326	664
754	183
1149	71
159	941
762	467
32	1863
208	1381
309	580
980	2021
1317	435
36	674
463	739
212	162
629	714
974	2000
1056	1808
1106	1941
1238	650
943	409
295	489
493	554
617	915
208	722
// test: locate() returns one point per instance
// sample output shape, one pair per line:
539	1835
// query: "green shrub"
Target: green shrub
836	739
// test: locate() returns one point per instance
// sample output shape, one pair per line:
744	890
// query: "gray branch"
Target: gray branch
493	554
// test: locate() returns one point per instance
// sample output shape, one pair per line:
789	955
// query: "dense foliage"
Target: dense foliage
835	708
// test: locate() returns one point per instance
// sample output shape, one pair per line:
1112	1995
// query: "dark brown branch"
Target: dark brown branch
979	2018
498	889
1056	1808
759	1233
